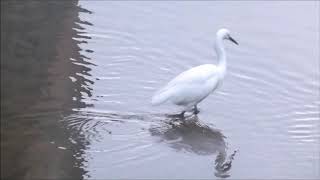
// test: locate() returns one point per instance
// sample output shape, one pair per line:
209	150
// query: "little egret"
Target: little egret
192	86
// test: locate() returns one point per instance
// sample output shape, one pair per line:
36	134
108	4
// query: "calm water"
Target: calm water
77	80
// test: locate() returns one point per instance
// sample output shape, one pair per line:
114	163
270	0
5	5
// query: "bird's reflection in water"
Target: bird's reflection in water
189	134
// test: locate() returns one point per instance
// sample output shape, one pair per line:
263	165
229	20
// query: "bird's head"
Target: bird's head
225	34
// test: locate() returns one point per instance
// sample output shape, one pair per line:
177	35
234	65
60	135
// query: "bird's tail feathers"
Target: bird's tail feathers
160	97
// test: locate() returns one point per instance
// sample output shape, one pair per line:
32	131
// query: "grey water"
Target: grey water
77	79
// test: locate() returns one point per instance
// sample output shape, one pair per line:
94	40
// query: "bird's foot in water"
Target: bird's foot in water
195	110
182	114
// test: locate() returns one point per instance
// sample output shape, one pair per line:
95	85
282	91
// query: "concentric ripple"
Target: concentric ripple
267	107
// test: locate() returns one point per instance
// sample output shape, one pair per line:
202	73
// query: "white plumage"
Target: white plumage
192	86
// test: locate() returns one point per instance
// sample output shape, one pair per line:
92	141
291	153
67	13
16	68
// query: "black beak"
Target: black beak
234	41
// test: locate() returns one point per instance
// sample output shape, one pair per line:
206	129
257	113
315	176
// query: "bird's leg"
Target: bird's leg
196	111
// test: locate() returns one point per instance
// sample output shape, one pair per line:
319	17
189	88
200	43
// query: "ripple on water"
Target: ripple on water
134	61
304	125
92	120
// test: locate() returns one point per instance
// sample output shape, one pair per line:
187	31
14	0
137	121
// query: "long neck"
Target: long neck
222	59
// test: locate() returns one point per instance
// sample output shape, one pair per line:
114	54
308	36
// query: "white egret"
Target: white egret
192	86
